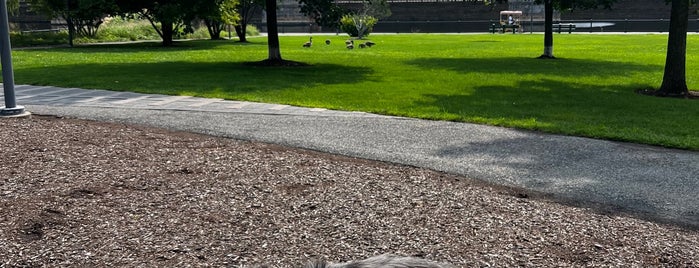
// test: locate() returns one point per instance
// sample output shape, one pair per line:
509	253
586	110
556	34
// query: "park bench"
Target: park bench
569	27
503	28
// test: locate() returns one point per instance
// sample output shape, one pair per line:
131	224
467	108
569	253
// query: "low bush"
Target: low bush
114	29
357	25
121	29
251	30
33	39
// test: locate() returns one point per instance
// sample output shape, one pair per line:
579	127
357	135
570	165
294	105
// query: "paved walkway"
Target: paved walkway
650	182
74	97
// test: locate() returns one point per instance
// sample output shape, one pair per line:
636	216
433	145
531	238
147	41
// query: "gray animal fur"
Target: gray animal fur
381	261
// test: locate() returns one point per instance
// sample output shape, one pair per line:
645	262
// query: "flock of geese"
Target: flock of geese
348	43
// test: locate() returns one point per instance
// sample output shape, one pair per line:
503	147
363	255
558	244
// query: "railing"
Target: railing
407	1
475	26
468	26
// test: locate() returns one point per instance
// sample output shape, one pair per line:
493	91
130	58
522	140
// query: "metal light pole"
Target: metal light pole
8	79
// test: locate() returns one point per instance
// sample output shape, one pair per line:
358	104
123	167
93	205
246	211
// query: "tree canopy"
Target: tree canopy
83	16
246	9
324	12
170	14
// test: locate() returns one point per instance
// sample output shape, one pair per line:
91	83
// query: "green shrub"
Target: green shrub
120	29
31	39
251	30
114	29
357	25
199	33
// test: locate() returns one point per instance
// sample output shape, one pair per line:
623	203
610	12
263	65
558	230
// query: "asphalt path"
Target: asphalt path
650	182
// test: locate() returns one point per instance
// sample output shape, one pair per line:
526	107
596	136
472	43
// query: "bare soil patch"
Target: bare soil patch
77	193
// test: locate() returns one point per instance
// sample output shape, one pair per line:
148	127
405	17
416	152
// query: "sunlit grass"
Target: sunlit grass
483	78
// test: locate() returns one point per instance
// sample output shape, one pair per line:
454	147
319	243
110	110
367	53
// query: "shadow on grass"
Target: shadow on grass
225	79
608	177
156	45
521	65
612	112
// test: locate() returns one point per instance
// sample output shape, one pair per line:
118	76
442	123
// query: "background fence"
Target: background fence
482	26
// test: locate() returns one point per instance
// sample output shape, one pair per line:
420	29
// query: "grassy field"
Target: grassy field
488	79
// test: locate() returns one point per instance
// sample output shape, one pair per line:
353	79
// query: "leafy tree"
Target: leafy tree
357	25
228	12
170	13
216	14
674	79
246	10
82	16
325	12
376	8
13	6
367	16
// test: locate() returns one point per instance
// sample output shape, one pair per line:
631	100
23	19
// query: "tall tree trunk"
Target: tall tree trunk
214	27
71	30
241	32
548	30
168	31
272	31
674	80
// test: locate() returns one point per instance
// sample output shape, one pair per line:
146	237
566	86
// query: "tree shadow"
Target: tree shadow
187	78
610	112
526	98
151	45
534	66
610	177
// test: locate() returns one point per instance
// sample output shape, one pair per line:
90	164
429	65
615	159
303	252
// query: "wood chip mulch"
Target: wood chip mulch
77	193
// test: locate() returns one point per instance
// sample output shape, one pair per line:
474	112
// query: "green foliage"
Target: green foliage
31	39
325	12
251	30
247	9
166	16
361	22
83	16
228	12
357	26
114	29
376	8
488	79
175	17
125	29
216	14
12	6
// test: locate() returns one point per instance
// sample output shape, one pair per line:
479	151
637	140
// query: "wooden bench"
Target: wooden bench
503	28
562	26
493	27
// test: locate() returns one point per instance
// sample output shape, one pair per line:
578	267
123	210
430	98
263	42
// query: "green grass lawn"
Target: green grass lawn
483	78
